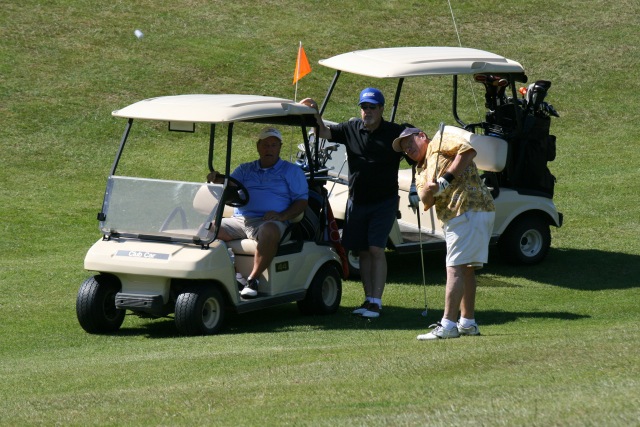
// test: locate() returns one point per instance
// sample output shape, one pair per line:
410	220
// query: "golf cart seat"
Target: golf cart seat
491	151
204	202
249	246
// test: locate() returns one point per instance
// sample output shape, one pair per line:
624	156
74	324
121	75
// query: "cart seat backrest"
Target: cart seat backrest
204	202
491	151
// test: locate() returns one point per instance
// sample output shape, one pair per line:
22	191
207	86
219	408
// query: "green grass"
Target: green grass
560	340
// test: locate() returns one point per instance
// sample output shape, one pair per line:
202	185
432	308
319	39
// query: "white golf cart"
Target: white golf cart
512	142
159	253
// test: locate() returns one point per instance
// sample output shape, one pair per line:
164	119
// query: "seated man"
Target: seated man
278	192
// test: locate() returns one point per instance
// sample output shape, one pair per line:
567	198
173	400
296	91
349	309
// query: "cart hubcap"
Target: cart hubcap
531	243
210	313
329	291
354	260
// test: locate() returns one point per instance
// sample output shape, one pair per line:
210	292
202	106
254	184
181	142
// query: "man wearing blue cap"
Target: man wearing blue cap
373	190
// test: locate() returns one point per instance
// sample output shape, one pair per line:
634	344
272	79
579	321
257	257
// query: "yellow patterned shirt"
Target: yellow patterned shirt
466	192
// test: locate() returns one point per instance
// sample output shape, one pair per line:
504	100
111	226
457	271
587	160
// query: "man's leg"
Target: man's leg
447	327
378	271
366	262
468	303
454	292
268	238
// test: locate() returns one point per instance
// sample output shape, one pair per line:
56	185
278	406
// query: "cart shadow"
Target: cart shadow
579	269
587	270
287	319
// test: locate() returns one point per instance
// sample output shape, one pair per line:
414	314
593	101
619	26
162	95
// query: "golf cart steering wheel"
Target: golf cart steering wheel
235	195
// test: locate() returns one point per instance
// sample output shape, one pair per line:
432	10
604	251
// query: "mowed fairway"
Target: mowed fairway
560	343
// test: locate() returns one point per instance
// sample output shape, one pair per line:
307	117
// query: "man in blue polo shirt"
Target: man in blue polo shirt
278	192
373	190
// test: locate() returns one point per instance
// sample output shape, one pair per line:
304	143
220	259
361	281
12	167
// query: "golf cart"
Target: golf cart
512	141
159	253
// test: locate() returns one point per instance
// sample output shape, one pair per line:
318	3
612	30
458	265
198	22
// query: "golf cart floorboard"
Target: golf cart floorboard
264	301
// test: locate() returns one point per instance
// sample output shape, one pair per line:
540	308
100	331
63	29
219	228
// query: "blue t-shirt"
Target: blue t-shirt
271	189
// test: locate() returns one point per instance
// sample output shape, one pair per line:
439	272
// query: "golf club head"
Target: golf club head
424	313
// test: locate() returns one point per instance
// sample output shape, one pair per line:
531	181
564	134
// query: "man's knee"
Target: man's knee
268	232
376	252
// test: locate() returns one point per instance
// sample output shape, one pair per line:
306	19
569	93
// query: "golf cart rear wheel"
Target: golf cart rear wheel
199	311
96	305
324	293
525	241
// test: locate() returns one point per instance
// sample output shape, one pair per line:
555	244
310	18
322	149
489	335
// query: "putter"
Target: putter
424	281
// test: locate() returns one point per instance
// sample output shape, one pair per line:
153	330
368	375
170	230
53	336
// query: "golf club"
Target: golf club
424	281
441	130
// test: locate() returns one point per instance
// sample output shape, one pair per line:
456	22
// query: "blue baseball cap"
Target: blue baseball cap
372	96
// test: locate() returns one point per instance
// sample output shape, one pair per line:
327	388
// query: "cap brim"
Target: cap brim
369	101
396	144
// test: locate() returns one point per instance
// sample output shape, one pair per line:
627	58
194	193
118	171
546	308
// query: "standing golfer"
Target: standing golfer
448	178
373	190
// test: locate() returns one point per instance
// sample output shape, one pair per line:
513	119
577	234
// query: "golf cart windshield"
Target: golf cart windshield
160	210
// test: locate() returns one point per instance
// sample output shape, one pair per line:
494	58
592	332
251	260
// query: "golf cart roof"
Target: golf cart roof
212	108
401	62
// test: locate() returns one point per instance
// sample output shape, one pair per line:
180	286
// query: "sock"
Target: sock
368	299
447	324
465	323
377	301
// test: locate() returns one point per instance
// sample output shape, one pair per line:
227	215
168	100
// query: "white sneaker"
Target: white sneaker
250	289
471	330
372	311
439	333
362	308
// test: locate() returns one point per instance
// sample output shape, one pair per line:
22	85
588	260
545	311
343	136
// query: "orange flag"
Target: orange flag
302	65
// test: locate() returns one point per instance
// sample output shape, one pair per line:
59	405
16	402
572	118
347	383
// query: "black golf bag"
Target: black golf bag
524	124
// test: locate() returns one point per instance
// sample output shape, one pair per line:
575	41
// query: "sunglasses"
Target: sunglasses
368	106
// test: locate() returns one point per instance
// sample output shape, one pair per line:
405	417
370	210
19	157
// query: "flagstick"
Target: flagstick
295	95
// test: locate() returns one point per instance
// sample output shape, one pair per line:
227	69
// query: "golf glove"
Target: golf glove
414	200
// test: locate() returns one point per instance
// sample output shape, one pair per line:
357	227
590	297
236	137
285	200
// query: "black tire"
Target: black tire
324	293
526	241
96	305
200	310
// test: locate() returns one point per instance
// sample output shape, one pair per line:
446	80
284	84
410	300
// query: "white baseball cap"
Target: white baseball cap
267	132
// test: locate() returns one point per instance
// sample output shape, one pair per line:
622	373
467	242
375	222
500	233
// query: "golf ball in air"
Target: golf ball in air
139	34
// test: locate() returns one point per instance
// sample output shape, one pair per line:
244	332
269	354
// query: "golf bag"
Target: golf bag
524	124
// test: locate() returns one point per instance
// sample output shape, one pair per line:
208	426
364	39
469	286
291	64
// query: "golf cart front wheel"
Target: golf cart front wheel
199	311
526	241
324	293
96	305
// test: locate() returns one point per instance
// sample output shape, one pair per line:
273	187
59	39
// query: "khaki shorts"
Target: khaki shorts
239	227
467	238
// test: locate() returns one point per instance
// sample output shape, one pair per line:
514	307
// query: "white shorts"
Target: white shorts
239	227
467	238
